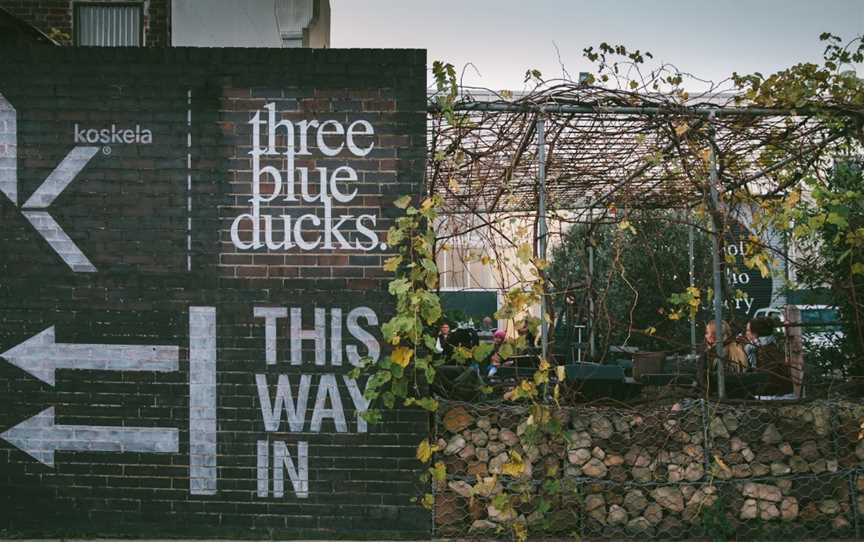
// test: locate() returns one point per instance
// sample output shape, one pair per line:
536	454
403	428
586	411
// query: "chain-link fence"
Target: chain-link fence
664	471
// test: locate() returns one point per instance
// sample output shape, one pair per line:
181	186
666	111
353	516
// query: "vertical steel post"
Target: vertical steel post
691	254
716	260
541	226
590	282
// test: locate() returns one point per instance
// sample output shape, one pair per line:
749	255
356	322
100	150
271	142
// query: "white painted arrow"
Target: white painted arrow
39	438
41	355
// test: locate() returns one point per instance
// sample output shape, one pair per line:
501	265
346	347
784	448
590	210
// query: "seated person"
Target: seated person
524	331
735	361
488	324
769	358
495	360
442	343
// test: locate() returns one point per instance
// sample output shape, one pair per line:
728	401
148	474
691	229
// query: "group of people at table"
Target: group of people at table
495	358
756	351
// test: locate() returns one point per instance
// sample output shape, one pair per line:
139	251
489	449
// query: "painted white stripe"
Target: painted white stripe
202	401
8	150
189	180
59	241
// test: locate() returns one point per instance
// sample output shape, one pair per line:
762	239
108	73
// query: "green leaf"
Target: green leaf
426	403
482	350
429	265
399	286
439	472
399	388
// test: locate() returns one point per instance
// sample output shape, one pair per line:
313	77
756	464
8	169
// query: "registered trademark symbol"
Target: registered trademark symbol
106	150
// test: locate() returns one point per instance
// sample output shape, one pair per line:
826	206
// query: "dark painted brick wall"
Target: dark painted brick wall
129	211
48	15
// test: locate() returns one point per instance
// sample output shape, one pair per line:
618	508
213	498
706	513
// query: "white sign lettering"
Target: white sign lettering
271	185
291	394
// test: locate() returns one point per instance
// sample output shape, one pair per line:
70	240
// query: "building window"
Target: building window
109	25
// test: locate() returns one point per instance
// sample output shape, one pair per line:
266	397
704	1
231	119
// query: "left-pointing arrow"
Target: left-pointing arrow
39	437
41	355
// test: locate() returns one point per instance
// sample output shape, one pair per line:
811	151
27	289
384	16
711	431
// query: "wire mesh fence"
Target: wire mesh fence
674	470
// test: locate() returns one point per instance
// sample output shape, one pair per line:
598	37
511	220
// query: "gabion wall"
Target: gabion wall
679	470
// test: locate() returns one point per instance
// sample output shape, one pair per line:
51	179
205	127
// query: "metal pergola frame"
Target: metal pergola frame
708	114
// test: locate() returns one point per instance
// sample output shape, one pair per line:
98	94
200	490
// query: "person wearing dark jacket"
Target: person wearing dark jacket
442	342
769	358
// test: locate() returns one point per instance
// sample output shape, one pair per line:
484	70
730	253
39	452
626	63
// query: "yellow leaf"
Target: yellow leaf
524	252
428	501
402	202
424	451
401	356
651	330
454	185
858	268
390	264
484	486
520	532
561	373
515	466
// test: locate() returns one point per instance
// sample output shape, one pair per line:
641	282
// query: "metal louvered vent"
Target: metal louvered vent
108	25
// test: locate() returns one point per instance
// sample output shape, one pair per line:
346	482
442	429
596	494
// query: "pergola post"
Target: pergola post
541	226
590	284
692	272
716	246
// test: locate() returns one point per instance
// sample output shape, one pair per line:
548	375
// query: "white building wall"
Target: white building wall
250	23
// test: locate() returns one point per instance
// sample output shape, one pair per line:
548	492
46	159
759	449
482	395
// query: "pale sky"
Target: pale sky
709	38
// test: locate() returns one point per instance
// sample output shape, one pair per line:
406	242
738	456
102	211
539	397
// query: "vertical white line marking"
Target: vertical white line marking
202	401
189	180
